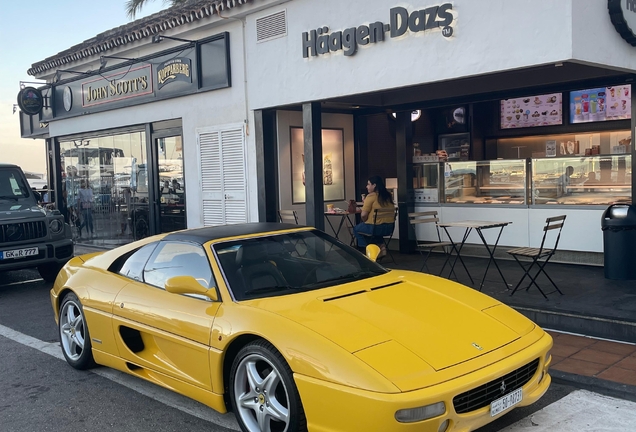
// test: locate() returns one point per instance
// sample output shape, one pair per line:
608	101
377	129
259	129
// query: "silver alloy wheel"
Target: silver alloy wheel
72	330
261	395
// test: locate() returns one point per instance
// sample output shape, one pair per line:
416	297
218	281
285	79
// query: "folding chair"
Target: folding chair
288	216
422	246
386	239
540	256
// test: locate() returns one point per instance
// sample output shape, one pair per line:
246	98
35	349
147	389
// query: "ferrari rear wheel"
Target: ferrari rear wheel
74	337
263	393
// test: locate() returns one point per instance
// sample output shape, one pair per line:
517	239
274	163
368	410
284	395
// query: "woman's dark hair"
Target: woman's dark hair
384	196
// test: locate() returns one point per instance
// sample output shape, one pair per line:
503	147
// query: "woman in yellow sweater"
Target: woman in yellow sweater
378	197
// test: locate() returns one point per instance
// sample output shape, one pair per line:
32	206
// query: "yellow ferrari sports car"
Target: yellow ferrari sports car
292	330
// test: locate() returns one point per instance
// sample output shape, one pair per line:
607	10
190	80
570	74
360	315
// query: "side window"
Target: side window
134	265
178	259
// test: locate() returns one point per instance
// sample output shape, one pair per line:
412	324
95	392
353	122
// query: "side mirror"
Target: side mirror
373	251
189	285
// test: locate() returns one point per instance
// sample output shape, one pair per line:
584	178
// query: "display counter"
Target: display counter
485	182
590	180
526	192
586	180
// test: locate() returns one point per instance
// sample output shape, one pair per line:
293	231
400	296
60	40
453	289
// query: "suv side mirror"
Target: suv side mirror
189	285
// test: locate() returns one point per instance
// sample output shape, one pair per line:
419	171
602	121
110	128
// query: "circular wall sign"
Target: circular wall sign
623	16
30	100
68	98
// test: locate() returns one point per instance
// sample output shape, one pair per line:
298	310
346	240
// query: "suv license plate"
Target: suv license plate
19	253
506	402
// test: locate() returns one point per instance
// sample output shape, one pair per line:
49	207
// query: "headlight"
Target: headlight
422	413
56	226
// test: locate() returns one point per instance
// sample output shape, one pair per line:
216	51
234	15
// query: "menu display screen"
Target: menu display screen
532	111
601	104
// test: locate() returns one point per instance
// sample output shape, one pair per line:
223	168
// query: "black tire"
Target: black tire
74	336
268	362
49	271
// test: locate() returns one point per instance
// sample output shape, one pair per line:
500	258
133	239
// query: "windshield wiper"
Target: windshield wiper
270	289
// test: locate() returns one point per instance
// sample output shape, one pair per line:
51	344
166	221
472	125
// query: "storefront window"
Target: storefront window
172	184
104	184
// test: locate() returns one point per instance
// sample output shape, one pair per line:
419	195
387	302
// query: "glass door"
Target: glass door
171	184
104	187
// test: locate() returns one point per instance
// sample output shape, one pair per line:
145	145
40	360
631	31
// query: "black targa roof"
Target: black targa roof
203	235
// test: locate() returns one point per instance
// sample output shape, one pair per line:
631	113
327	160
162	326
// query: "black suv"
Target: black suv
30	236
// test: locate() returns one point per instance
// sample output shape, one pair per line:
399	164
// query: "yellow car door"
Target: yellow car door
162	332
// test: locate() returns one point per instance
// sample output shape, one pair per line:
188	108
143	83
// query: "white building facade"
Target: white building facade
319	96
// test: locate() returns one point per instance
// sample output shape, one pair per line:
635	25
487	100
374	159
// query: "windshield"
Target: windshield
14	191
290	263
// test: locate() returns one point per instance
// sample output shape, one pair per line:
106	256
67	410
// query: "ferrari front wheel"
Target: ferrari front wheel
74	337
263	393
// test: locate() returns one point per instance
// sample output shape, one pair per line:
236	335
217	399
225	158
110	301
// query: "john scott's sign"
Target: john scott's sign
320	41
126	84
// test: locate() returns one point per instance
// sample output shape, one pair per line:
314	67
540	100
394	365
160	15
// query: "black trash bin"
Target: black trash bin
619	241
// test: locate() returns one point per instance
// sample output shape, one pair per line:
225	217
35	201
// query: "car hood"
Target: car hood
16	212
440	322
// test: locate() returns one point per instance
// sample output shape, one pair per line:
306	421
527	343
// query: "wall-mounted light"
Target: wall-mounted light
159	38
103	60
415	115
58	74
23	84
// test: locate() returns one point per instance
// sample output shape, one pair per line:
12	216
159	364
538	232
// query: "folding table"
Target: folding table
478	226
344	217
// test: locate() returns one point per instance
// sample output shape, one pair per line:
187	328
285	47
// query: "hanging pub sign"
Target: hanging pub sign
176	69
623	16
30	100
321	41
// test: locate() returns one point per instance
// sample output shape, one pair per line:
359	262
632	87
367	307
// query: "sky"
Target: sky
32	31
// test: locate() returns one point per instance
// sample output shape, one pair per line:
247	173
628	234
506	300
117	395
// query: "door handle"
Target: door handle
227	196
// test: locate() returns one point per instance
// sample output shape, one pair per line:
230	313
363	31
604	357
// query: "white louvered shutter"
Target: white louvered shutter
233	159
223	176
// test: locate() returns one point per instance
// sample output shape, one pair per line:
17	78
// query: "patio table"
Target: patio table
478	226
345	217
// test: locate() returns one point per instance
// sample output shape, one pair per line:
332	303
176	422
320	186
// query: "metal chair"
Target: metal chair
386	239
540	256
422	246
288	216
350	225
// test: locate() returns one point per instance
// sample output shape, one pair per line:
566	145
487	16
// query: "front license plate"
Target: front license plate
18	253
506	402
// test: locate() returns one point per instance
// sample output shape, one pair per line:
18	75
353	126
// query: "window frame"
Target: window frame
211	285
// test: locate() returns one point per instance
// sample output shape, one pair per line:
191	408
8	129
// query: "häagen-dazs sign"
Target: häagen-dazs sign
321	41
623	16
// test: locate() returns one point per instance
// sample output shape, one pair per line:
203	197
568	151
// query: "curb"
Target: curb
598	385
606	328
